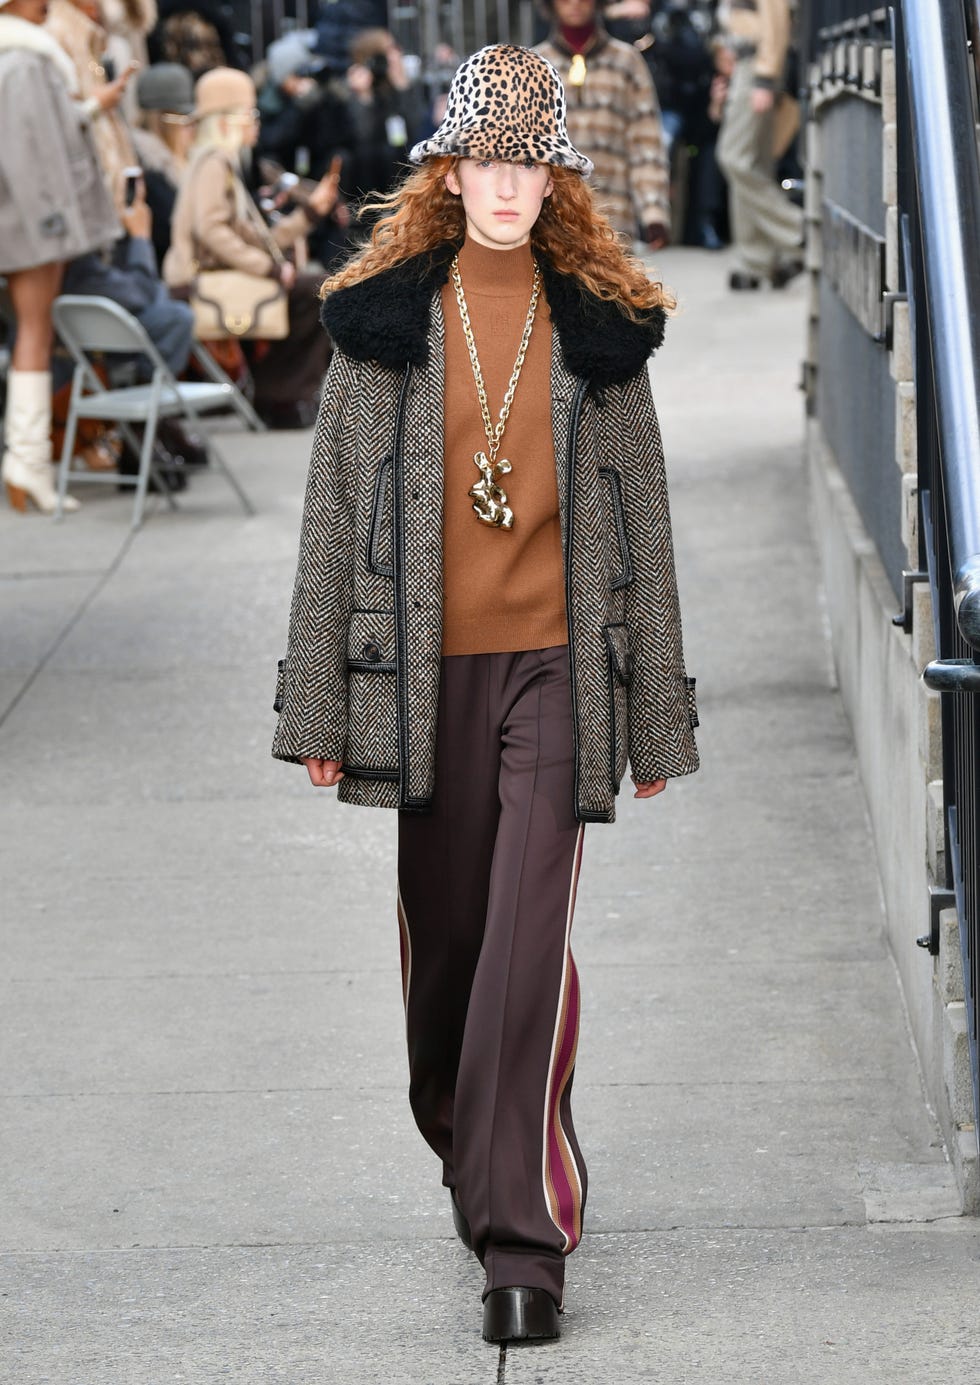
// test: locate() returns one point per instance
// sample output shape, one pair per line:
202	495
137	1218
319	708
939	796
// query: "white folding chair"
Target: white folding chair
87	325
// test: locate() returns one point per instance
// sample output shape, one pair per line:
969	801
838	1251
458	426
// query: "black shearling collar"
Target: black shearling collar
386	319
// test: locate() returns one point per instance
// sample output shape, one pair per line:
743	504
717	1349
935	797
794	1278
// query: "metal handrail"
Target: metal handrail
948	195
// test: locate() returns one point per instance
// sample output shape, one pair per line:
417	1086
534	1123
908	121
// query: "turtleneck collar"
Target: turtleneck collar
580	38
577	36
497	273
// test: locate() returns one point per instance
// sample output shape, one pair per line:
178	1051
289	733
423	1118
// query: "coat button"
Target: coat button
372	651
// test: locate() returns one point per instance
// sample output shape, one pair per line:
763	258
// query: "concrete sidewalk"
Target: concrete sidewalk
209	1170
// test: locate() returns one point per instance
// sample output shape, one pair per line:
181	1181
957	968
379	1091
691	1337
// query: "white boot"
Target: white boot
26	470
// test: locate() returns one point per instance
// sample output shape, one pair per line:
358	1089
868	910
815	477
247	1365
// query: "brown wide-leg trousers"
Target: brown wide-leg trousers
486	894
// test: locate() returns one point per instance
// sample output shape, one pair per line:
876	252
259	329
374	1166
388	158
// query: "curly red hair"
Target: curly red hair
422	214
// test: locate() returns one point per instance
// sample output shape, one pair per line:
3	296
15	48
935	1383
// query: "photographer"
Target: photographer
304	118
385	113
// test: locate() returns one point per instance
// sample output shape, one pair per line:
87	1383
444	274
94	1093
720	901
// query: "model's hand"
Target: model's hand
762	100
323	773
649	790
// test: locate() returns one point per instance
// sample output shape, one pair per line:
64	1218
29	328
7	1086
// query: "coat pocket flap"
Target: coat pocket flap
371	641
617	642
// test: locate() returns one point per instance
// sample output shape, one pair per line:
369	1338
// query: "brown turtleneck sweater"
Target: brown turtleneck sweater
503	589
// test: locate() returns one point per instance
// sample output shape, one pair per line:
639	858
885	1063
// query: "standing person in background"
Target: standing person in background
127	23
76	25
53	206
613	117
767	229
483	661
385	112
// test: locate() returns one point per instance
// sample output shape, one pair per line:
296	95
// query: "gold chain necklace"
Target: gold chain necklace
489	499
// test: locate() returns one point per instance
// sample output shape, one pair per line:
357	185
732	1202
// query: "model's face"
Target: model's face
575	13
501	201
34	11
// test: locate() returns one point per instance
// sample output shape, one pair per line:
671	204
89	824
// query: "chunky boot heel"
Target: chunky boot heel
519	1315
16	498
26	467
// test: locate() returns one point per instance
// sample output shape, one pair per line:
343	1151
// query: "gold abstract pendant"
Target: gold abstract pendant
576	71
490	498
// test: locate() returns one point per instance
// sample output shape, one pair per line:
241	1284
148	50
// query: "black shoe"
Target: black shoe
461	1224
739	281
171	470
785	273
519	1315
182	443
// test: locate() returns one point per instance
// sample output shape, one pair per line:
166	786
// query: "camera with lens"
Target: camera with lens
377	65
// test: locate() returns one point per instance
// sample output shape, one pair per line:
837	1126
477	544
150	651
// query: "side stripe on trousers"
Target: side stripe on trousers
405	947
560	1174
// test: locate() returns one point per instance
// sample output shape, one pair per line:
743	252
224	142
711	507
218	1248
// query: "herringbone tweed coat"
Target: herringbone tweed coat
360	680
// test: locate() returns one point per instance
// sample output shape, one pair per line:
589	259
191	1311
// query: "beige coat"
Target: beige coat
216	225
84	41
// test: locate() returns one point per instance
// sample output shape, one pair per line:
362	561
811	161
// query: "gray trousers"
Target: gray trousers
486	892
766	226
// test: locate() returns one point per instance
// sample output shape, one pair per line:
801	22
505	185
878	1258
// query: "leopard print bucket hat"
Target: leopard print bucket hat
505	103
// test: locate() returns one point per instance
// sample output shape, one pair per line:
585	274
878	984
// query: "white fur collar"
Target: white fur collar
20	33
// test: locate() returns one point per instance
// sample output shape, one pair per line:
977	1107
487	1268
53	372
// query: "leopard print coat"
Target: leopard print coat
360	679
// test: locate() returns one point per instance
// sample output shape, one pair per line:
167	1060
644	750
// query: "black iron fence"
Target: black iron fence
939	219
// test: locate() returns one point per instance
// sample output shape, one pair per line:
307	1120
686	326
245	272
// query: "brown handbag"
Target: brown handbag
229	303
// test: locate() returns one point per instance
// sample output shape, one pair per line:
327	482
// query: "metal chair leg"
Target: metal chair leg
215	452
67	452
146	463
221	377
232	480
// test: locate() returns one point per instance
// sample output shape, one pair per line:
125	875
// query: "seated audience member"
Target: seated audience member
163	138
129	276
216	225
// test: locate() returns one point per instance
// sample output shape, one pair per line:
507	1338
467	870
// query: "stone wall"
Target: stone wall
895	718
